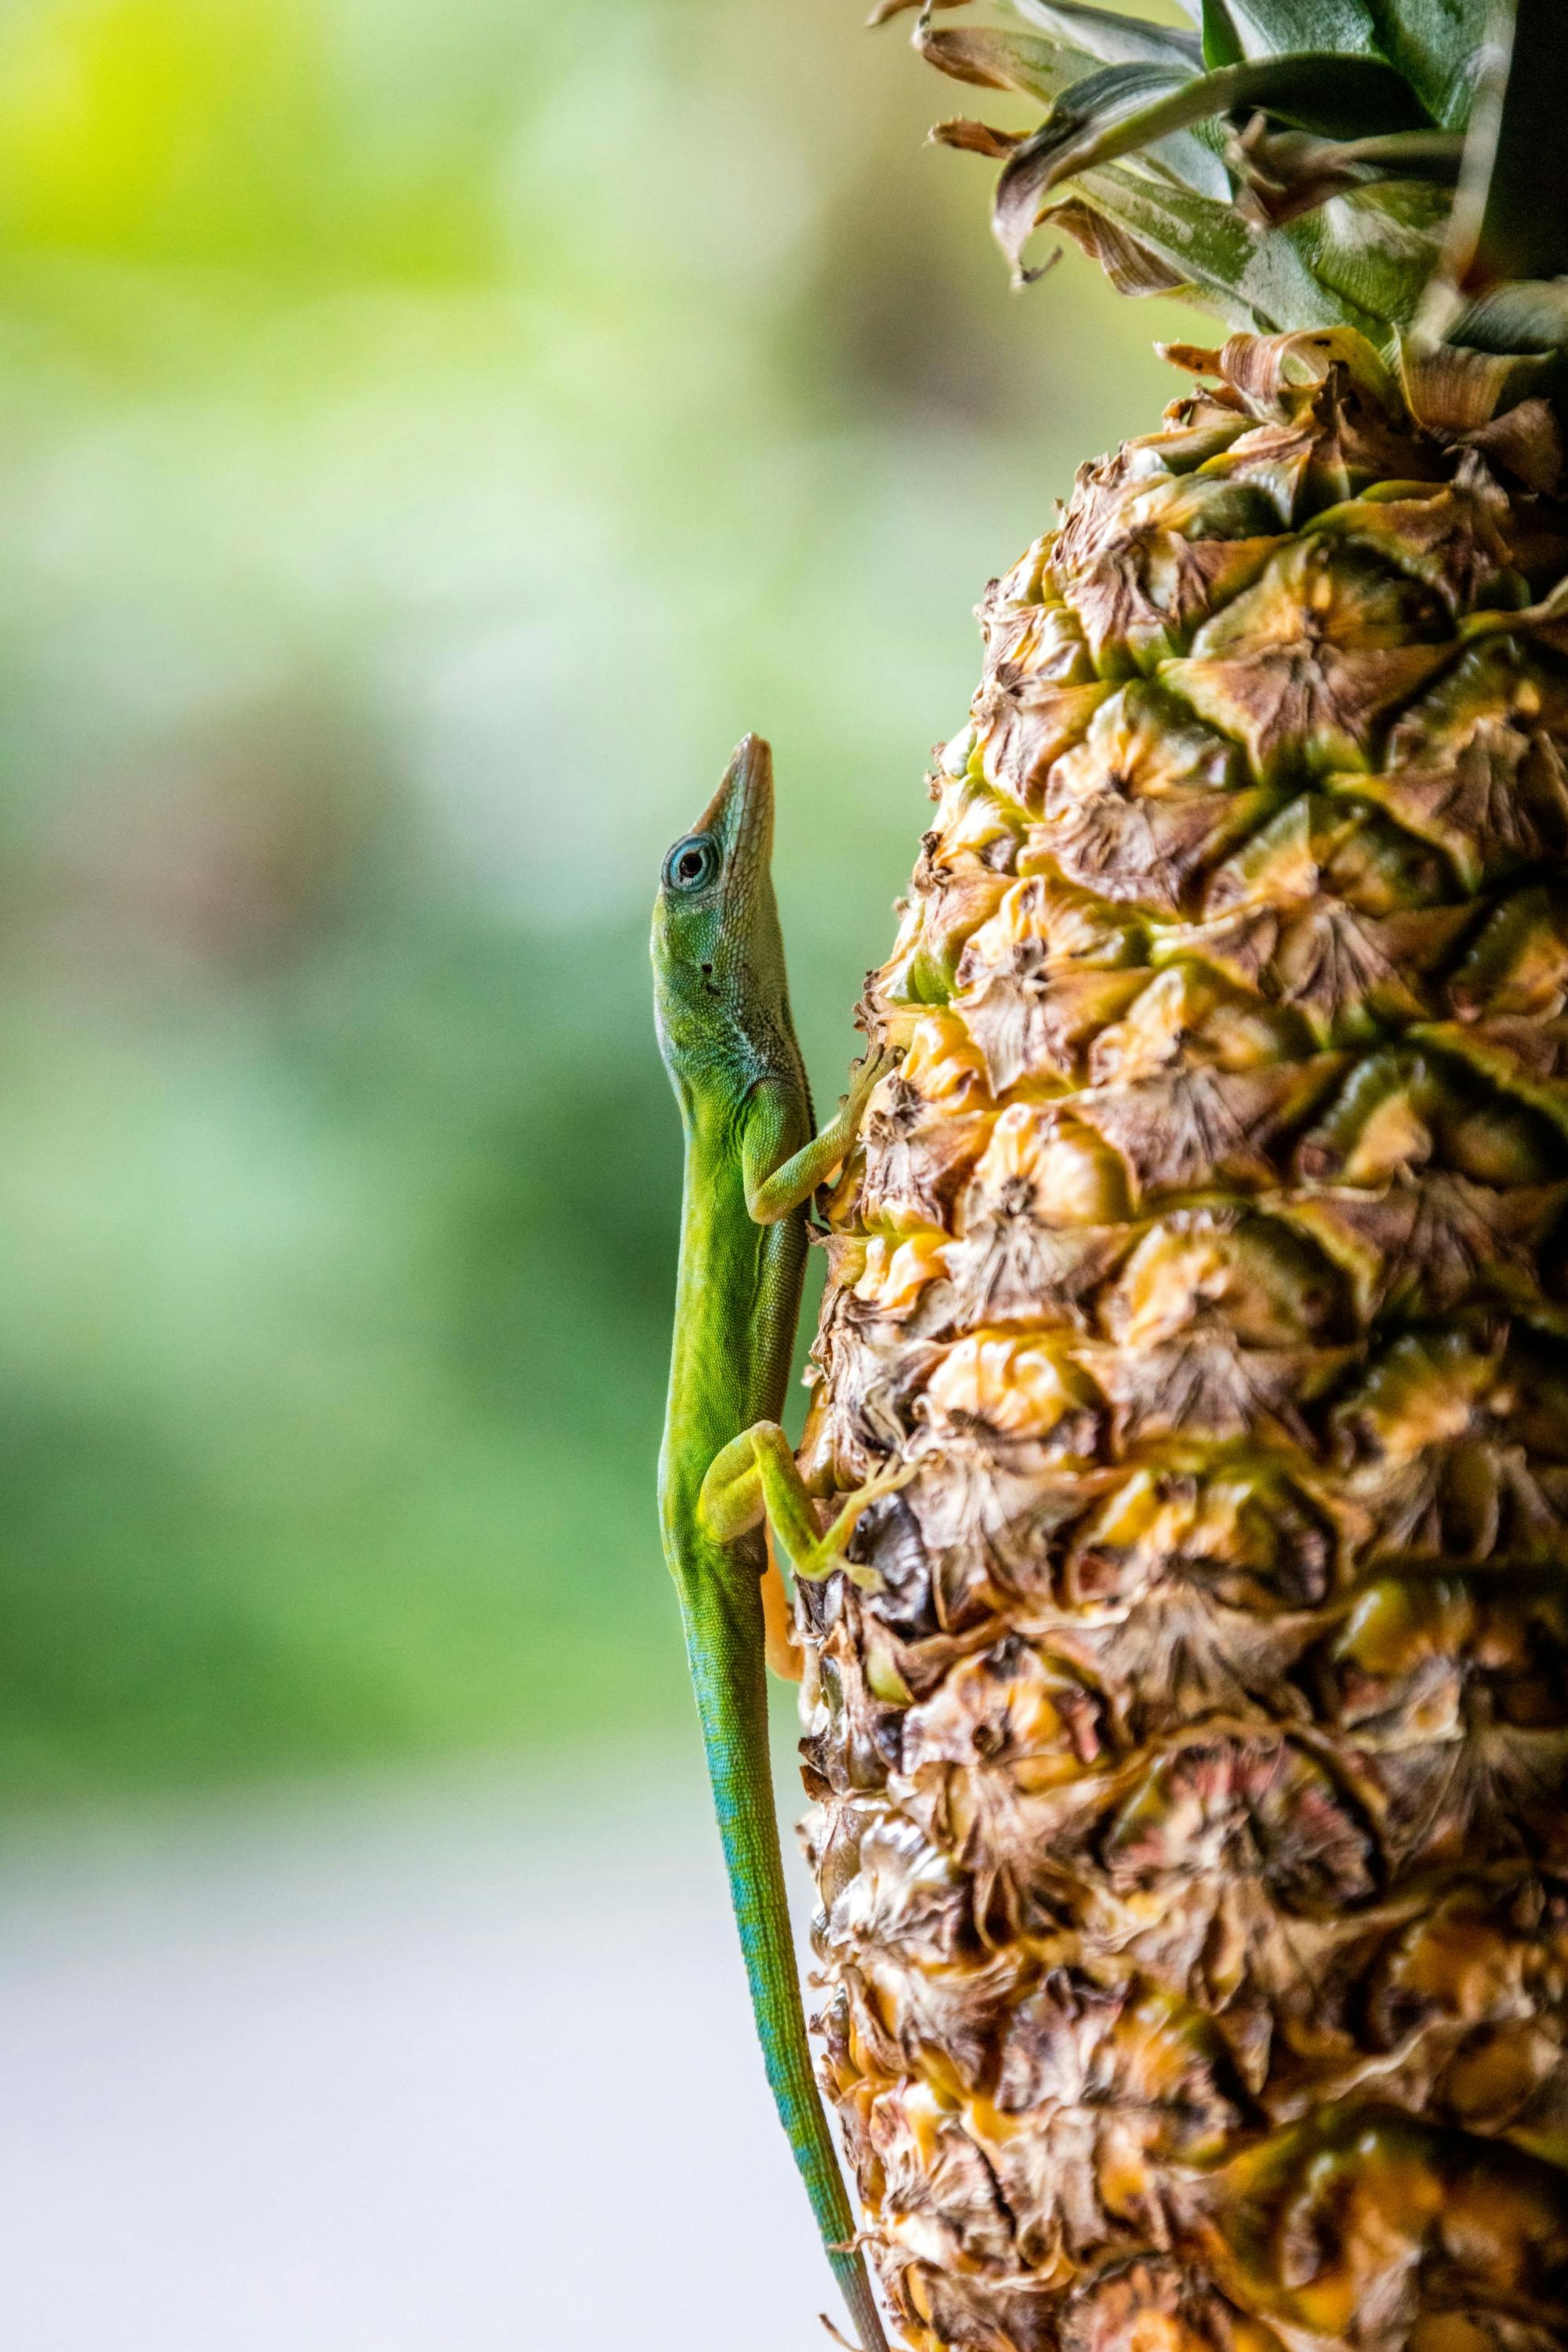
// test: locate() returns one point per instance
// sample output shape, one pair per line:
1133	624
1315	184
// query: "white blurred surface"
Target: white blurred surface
447	2070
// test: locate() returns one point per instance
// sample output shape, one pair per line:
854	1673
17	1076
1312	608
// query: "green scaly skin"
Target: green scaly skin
751	1164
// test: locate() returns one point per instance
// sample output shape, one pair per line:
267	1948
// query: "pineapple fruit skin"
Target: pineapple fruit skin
1189	1822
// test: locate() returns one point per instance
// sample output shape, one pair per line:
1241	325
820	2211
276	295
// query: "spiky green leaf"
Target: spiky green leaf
1041	69
1343	168
1435	44
1267	283
1221	41
1204	245
1377	250
1125	109
1241	29
1186	160
1115	40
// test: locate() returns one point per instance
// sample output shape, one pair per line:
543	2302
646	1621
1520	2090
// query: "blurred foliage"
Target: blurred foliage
428	436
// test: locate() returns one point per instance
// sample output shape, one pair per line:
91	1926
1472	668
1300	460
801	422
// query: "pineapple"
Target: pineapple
1190	1751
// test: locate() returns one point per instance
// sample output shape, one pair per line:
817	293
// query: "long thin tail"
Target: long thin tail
724	1648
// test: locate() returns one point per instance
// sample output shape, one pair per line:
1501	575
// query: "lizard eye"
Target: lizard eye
692	863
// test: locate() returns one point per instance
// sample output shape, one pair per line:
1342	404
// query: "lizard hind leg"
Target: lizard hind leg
752	1478
755	1476
730	1500
729	1505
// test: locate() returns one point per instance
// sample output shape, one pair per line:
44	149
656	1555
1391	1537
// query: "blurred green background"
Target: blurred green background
428	437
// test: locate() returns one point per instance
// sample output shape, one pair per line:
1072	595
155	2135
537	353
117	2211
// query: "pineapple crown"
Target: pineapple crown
1397	167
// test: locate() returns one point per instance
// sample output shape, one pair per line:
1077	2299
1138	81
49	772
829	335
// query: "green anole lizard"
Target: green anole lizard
751	1164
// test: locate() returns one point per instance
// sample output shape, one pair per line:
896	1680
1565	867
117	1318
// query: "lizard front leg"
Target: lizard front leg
776	1185
755	1476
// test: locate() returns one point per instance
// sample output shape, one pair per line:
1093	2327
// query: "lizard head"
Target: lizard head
718	951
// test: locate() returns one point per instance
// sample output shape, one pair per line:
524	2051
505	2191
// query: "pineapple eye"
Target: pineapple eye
692	863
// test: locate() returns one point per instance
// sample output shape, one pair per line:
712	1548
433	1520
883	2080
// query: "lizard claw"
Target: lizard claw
868	1073
875	1063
